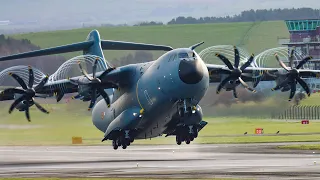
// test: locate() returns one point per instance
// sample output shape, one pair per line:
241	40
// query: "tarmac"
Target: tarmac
257	161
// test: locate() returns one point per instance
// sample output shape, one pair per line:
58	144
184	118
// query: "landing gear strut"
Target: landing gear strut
185	107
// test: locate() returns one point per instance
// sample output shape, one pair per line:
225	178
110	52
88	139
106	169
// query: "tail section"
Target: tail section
93	46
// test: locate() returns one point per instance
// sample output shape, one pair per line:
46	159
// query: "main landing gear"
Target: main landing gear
186	133
124	139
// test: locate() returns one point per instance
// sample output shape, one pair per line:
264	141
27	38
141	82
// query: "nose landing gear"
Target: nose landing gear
185	108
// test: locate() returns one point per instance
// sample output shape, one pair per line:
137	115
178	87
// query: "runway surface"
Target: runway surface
259	161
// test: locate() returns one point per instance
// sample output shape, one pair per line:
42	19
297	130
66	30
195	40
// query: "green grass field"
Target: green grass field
255	37
301	147
64	122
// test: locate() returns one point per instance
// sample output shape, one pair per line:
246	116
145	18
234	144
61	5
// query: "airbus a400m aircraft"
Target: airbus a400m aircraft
149	99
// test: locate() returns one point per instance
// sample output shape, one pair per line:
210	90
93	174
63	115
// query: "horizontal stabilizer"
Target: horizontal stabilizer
121	45
55	50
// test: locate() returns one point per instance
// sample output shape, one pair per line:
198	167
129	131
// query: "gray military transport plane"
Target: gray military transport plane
149	99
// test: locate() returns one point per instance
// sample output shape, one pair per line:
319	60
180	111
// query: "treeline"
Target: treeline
137	57
248	16
9	46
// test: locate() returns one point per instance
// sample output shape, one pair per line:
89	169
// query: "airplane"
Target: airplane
149	99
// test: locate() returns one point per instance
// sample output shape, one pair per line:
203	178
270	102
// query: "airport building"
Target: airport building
305	38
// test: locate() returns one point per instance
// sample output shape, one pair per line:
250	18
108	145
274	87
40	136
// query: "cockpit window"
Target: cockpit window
183	55
172	57
189	56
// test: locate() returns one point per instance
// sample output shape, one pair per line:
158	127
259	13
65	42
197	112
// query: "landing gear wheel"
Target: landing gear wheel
187	141
178	139
115	145
119	142
124	146
191	138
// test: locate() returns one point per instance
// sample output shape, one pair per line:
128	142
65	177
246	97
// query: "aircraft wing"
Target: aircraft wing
110	78
286	78
217	72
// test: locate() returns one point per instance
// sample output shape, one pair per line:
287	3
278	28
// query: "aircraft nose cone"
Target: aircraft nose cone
190	72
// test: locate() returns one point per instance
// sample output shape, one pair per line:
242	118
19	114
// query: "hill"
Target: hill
253	36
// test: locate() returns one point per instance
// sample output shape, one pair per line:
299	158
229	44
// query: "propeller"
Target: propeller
267	73
292	76
234	72
27	93
94	83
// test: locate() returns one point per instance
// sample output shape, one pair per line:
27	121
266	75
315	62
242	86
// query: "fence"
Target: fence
299	112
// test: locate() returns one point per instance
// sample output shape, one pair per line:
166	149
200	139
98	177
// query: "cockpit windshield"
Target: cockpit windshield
189	56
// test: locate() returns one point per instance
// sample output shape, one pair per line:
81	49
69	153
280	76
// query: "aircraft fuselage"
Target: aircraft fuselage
157	89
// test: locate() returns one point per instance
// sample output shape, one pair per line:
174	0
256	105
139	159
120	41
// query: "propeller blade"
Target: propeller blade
84	72
104	95
19	80
304	85
106	72
235	94
244	84
41	95
94	68
305	60
40	107
245	65
59	96
13	91
93	98
291	58
223	83
27	111
31	77
15	103
281	63
255	83
42	83
236	57
284	82
293	90
225	61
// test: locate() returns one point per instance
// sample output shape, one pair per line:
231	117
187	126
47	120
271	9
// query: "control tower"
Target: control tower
305	38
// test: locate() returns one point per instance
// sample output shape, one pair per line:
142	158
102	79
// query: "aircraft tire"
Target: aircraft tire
115	145
178	140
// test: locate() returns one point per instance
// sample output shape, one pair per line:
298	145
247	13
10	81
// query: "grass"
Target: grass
64	122
255	37
301	147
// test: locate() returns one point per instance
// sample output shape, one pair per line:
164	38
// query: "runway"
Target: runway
259	161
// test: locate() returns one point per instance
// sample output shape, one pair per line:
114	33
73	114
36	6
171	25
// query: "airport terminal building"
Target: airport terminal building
305	38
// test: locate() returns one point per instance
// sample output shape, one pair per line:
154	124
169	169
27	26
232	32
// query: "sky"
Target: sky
132	11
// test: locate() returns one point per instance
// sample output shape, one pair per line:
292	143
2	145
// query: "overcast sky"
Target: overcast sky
131	11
